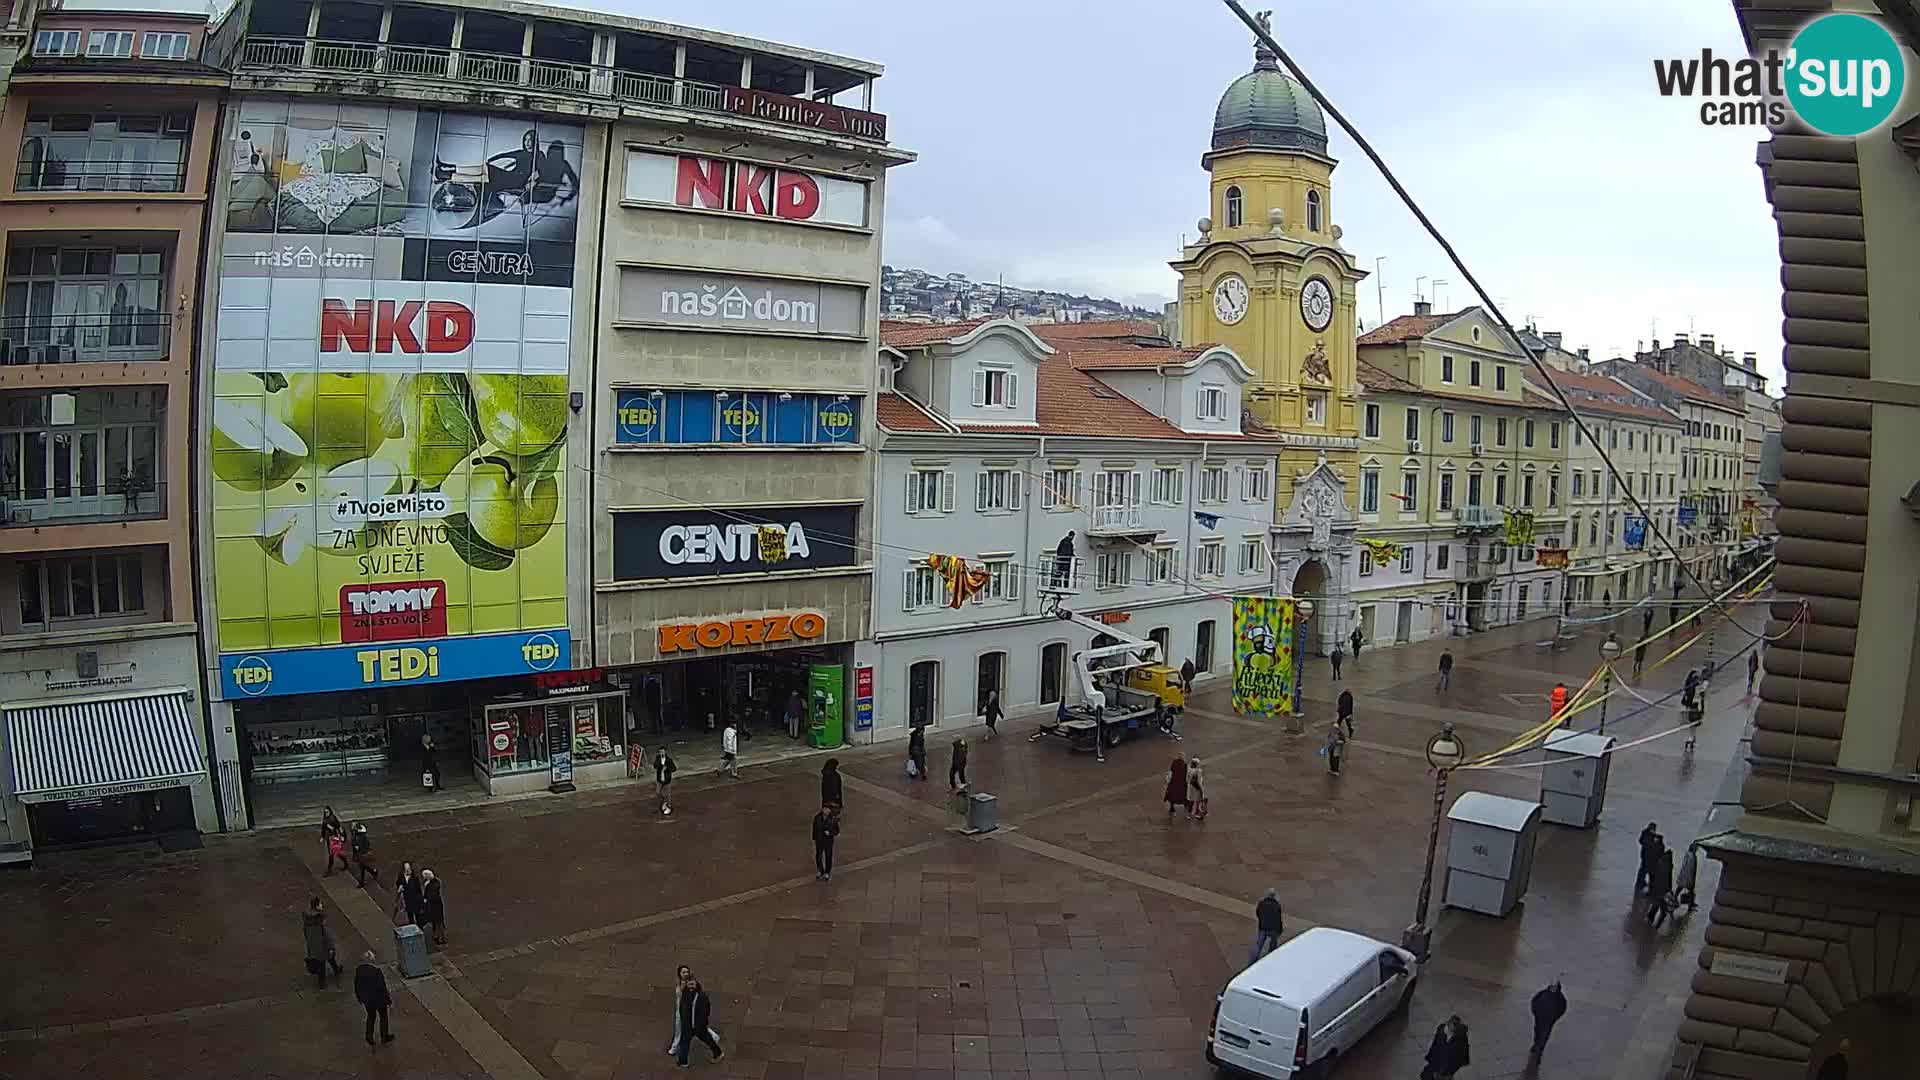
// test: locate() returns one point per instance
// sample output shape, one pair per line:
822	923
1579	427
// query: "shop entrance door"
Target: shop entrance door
923	694
992	680
1403	623
1053	672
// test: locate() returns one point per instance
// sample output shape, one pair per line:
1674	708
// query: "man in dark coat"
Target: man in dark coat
832	789
319	942
696	1012
370	989
1267	924
1334	657
826	828
1650	845
1358	639
1446	670
1063	561
1344	711
1639	658
1187	672
1646	623
1448	1053
433	907
917	750
363	855
1549	1005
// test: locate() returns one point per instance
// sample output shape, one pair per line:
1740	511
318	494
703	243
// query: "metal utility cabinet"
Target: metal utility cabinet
1489	852
1573	785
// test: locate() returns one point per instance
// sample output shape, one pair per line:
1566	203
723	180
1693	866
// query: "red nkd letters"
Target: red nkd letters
759	190
385	326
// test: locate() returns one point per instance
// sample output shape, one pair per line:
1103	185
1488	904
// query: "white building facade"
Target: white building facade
995	448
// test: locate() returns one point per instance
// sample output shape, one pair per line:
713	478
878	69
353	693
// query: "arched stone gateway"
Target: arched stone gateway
1313	553
1310	583
1797	971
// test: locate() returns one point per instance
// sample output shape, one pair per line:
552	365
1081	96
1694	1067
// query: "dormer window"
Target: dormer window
110	43
996	388
57	43
1313	211
1213	402
1236	208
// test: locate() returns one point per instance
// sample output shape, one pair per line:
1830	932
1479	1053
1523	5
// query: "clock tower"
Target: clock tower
1268	277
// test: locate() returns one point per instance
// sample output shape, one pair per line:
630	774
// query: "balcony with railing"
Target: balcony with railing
493	50
101	337
33	174
31	502
1054	576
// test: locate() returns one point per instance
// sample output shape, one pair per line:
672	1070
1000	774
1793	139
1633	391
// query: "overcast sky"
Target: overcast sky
1060	145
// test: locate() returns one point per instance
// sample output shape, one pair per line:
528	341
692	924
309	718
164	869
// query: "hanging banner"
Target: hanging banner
1635	531
1263	629
1550	558
1688	514
1519	527
1383	551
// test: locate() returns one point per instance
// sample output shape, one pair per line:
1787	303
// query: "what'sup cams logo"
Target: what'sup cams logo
1843	75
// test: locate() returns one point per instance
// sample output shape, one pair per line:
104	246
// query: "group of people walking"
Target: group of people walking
1666	889
1186	788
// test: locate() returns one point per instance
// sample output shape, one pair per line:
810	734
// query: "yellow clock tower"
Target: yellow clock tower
1269	278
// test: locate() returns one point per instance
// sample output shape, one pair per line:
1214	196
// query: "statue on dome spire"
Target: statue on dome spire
1263	57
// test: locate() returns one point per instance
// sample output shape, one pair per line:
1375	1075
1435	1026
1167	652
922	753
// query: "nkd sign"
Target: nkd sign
731	302
743	187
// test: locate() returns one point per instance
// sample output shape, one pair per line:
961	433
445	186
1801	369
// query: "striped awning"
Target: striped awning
93	747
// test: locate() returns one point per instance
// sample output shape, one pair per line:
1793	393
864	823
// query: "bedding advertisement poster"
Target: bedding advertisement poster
391	397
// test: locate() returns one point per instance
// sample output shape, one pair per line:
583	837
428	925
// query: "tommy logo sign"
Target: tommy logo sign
393	611
385	326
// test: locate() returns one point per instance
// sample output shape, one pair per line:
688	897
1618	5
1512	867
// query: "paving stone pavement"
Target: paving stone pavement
1087	938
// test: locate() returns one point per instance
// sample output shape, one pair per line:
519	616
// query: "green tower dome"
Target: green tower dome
1266	109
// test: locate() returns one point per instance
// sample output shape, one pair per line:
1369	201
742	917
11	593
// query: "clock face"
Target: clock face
1316	303
1230	299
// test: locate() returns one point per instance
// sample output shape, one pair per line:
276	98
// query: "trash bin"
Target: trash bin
410	950
983	812
1489	852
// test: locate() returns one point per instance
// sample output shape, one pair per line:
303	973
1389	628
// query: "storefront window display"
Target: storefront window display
516	737
313	736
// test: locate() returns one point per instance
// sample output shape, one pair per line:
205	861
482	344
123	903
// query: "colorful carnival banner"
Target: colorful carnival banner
1551	558
1263	655
1383	551
1520	527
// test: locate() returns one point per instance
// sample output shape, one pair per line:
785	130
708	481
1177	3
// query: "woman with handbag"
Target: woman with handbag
330	831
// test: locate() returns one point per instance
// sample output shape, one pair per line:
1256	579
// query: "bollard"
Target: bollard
983	812
410	951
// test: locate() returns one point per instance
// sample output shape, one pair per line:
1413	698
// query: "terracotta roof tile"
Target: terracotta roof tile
1407	327
1099	330
1374	378
1071	402
1686	388
907	335
1599	394
1101	356
896	413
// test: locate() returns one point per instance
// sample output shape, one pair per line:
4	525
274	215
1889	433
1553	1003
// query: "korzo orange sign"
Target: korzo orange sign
765	630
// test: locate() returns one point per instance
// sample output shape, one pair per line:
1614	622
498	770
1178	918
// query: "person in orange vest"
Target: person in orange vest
1559	700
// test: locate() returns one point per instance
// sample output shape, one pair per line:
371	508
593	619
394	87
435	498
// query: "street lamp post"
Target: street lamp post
1302	611
1445	752
1609	652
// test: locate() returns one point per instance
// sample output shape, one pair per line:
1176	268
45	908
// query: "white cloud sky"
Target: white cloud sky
1060	142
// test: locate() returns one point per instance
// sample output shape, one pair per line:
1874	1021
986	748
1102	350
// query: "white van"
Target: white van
1295	1011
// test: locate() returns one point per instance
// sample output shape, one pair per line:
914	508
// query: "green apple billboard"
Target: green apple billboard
387	436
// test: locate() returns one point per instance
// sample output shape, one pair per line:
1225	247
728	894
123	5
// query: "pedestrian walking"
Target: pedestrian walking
1197	789
433	908
1334	657
1187	672
363	867
1557	704
1343	711
730	750
336	839
1357	638
1549	1005
957	771
1686	880
319	942
917	751
1639	658
1266	926
429	763
1692	687
1176	793
696	1012
663	770
1336	747
1606	599
1646	623
826	827
832	791
1836	1067
1660	892
370	989
1446	670
680	977
1650	848
1753	669
1448	1053
408	903
990	712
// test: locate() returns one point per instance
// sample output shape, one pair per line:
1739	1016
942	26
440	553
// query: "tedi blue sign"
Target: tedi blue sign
276	672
